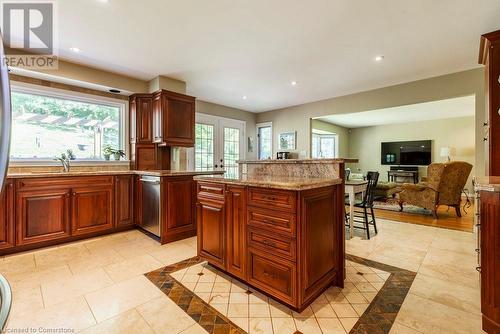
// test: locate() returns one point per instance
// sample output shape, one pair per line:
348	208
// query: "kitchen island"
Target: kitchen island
282	235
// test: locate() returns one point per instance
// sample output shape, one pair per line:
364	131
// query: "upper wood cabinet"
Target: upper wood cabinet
173	119
141	118
7	216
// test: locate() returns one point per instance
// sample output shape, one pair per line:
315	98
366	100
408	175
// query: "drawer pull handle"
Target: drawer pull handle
269	243
478	269
269	275
270	198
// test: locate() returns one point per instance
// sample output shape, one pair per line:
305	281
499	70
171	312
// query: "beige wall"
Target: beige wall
456	133
228	112
343	134
464	83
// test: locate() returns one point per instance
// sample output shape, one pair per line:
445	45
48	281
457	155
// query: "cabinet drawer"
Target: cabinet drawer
272	199
63	181
275	221
281	246
210	190
273	275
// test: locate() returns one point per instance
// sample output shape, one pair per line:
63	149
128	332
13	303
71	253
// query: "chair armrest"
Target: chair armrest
416	187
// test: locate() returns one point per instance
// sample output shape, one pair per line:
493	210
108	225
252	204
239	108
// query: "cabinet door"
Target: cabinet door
236	231
92	210
178	122
42	215
133	119
157	119
210	219
124	200
180	215
7	216
144	119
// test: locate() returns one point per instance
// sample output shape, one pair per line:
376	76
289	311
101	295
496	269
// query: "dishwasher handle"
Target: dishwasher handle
150	181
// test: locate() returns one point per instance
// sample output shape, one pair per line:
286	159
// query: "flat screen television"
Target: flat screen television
407	153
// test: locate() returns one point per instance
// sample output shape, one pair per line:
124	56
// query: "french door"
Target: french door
219	143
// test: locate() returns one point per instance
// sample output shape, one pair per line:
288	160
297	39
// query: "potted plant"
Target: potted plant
71	155
107	152
118	154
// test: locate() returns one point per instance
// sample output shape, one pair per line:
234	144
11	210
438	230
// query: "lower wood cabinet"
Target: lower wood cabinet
7	216
292	250
489	208
124	200
42	215
92	209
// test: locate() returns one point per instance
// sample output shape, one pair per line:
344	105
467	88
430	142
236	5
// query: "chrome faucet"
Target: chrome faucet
64	160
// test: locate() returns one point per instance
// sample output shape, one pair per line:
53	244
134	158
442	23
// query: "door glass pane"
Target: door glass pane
315	146
231	150
327	147
204	147
265	142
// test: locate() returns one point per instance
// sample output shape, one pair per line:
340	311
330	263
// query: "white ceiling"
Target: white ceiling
450	108
225	49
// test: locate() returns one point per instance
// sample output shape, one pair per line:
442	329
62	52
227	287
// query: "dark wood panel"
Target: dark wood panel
211	190
178	122
63	182
92	210
272	199
272	220
272	275
490	260
144	119
124	200
236	231
7	215
285	247
211	231
42	215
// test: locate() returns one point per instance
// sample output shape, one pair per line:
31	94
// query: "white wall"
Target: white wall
457	133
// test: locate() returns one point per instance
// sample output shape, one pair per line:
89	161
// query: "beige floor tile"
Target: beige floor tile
205	296
26	301
73	314
222	308
355	297
257	298
221	287
120	297
308	325
53	257
344	311
260	326
195	329
348	323
284	326
323	311
369	296
448	293
164	316
94	261
331	326
368	287
258	311
35	278
173	254
280	311
241	323
219	298
130	322
360	308
428	316
132	267
75	286
238	287
238	298
237	311
397	328
306	313
203	287
17	264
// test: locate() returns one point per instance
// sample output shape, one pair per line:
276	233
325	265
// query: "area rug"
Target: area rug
369	303
391	204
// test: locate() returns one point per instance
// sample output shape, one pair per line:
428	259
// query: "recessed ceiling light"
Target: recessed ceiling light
379	58
75	50
294	83
244	97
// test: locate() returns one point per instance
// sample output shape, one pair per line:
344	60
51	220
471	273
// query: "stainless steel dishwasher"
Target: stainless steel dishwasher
151	209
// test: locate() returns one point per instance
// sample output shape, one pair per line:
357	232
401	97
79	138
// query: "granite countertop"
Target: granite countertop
299	161
165	173
487	183
274	182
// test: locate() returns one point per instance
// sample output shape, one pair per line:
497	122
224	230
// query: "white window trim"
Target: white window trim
264	125
80	97
325	135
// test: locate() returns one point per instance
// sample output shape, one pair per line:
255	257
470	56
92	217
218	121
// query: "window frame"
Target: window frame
264	125
123	122
321	136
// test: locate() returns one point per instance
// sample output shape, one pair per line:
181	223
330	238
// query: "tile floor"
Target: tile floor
98	286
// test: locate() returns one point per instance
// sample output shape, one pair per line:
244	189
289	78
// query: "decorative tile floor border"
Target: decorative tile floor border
377	318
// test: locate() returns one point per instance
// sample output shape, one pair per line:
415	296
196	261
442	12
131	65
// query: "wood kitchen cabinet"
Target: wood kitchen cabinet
286	243
7	216
124	200
141	118
92	209
42	215
173	119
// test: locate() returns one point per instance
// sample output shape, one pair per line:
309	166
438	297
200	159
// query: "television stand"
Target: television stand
402	172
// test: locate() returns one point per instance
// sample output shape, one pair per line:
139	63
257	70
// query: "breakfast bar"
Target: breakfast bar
281	234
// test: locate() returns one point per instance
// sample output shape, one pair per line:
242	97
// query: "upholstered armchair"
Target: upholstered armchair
443	187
